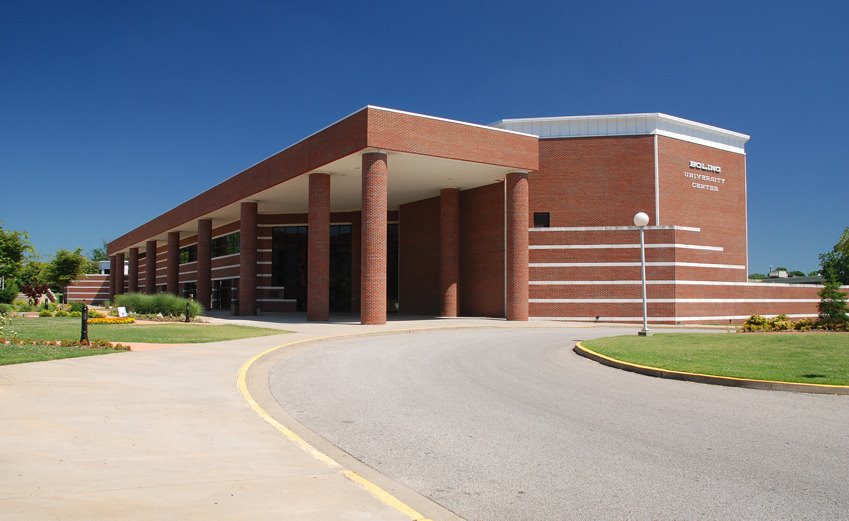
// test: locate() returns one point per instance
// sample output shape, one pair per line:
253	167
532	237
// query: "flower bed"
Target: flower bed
112	320
95	343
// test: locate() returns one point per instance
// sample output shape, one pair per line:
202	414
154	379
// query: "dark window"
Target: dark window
189	254
190	290
542	219
289	262
392	267
227	245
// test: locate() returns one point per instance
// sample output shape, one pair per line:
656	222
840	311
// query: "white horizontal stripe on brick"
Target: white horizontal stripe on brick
263	262
188	272
225	267
665	300
281	225
668	283
263	274
276	300
264	238
225	278
621	246
270	287
225	256
665	319
612	264
612	228
264	251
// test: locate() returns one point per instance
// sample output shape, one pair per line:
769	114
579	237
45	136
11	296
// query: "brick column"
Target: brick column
112	277
356	238
318	248
373	244
119	273
172	264
133	275
247	259
204	263
517	246
449	250
150	267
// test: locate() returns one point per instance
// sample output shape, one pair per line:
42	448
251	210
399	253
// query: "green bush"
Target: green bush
75	306
75	314
165	303
756	323
23	305
832	307
94	314
5	309
7	295
804	324
780	323
45	313
62	313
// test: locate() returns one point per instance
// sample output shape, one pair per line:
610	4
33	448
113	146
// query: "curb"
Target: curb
728	381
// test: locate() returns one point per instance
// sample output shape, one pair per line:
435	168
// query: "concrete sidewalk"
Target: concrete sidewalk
165	434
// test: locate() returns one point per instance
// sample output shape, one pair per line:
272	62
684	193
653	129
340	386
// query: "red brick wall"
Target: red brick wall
721	214
90	289
598	181
418	248
482	251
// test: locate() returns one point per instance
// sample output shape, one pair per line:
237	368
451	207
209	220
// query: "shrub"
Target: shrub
45	313
23	305
780	323
756	323
5	309
75	314
804	324
94	314
7	295
165	303
62	313
75	306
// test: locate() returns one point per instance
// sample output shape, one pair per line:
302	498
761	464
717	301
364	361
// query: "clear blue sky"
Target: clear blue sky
114	112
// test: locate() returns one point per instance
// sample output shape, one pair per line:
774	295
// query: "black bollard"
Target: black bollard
187	312
84	326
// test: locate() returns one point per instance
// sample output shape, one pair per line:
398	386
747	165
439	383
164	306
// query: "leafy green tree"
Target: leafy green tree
835	265
796	273
757	276
66	266
99	254
832	307
814	273
33	273
14	250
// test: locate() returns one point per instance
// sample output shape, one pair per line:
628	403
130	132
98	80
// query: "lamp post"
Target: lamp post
641	219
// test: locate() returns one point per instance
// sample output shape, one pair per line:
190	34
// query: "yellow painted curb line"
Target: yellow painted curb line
367	485
732	381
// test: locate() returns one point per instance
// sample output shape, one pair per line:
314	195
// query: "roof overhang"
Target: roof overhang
424	154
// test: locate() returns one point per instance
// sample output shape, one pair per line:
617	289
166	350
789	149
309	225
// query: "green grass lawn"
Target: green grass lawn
21	354
160	333
820	358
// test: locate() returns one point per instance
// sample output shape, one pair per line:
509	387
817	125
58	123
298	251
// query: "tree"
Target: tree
757	276
33	273
796	273
99	254
835	265
832	307
14	249
814	273
66	267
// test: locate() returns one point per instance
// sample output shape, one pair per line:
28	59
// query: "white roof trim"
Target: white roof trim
487	127
630	124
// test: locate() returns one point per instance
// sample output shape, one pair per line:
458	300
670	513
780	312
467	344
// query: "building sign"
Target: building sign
701	181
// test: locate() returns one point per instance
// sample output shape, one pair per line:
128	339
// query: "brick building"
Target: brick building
524	218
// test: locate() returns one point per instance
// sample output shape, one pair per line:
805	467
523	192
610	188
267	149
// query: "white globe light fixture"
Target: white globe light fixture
641	220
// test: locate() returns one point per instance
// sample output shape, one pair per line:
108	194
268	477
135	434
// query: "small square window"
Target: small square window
542	219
